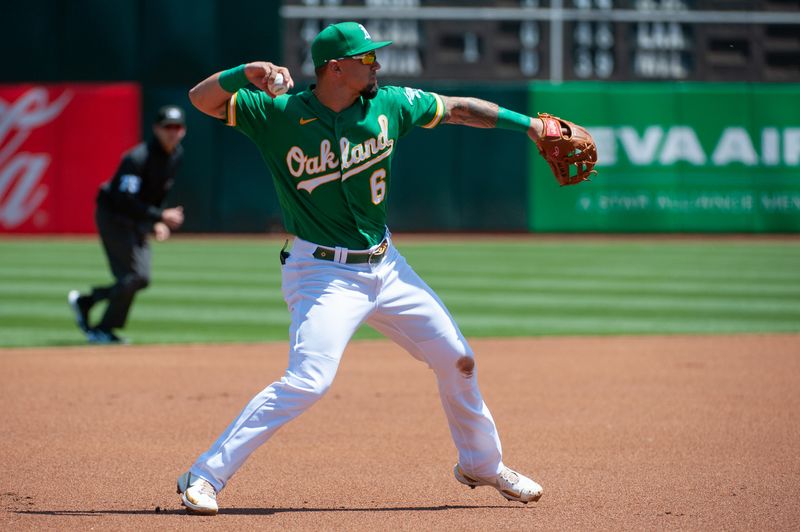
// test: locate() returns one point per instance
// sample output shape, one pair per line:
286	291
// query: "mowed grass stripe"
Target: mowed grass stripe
601	325
175	311
204	308
492	320
591	248
709	265
665	304
221	273
44	292
490	292
588	253
702	271
649	286
555	264
57	335
35	282
219	291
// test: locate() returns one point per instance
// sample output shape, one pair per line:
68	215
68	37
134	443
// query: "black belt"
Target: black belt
355	257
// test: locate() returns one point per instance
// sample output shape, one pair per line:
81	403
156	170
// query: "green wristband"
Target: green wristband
507	119
233	79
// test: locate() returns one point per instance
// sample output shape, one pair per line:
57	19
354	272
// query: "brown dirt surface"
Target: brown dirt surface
624	433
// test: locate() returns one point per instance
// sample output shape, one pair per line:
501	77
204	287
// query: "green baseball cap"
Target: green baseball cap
342	40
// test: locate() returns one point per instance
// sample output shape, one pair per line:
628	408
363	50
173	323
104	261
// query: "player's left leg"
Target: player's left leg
411	314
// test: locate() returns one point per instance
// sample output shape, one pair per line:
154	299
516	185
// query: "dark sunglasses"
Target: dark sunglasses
173	127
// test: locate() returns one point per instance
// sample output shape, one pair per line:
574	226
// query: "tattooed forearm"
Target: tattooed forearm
469	112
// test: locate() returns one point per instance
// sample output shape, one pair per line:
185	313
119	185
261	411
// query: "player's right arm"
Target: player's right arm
212	94
474	112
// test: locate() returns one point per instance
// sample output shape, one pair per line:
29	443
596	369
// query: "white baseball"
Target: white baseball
278	86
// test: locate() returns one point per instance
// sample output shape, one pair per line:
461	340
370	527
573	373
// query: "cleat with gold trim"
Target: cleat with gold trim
511	485
197	495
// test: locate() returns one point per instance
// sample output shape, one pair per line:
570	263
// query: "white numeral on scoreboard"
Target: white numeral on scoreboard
378	185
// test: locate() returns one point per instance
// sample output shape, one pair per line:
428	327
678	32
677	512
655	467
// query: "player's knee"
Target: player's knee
452	361
311	387
317	388
448	355
134	282
142	282
457	372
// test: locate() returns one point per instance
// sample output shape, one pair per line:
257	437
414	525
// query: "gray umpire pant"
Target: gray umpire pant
129	258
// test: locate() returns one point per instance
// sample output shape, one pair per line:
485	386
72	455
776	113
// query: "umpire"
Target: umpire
129	208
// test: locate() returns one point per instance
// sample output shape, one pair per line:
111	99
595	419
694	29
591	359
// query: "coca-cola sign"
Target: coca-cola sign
21	188
57	144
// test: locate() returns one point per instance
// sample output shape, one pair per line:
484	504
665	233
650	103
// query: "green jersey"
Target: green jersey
332	170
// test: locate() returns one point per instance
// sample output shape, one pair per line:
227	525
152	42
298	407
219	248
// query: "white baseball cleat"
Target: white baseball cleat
511	485
197	495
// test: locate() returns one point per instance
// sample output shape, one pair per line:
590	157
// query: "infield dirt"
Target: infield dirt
668	432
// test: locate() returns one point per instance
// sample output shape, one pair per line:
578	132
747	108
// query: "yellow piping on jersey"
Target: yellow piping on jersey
232	110
439	112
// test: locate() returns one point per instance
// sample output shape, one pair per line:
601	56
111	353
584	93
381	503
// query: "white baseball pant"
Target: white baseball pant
328	302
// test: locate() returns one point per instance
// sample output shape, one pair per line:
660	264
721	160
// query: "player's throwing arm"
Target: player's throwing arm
212	95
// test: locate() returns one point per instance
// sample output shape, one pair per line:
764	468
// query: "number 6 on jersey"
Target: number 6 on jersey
378	185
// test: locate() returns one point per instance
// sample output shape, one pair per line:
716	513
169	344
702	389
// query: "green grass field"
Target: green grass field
228	290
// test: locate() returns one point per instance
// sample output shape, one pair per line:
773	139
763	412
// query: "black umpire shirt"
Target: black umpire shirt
136	193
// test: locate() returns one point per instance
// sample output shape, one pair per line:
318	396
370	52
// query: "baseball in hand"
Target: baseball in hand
278	86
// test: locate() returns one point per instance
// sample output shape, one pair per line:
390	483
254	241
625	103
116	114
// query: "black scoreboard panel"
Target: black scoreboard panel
515	40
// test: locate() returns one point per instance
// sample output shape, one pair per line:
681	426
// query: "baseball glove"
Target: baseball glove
564	145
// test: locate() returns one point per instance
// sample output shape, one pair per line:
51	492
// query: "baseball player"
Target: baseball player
330	149
129	208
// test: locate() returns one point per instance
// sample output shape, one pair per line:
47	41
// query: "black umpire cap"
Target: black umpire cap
170	114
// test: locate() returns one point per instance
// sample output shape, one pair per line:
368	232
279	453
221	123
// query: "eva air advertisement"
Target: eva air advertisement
677	157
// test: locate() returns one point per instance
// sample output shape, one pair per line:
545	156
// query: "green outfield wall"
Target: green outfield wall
686	157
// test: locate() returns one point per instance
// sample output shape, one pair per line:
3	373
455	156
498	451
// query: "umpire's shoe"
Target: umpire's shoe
511	485
80	306
197	495
105	337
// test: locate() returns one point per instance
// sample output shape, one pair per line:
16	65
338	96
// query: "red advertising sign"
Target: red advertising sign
58	143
